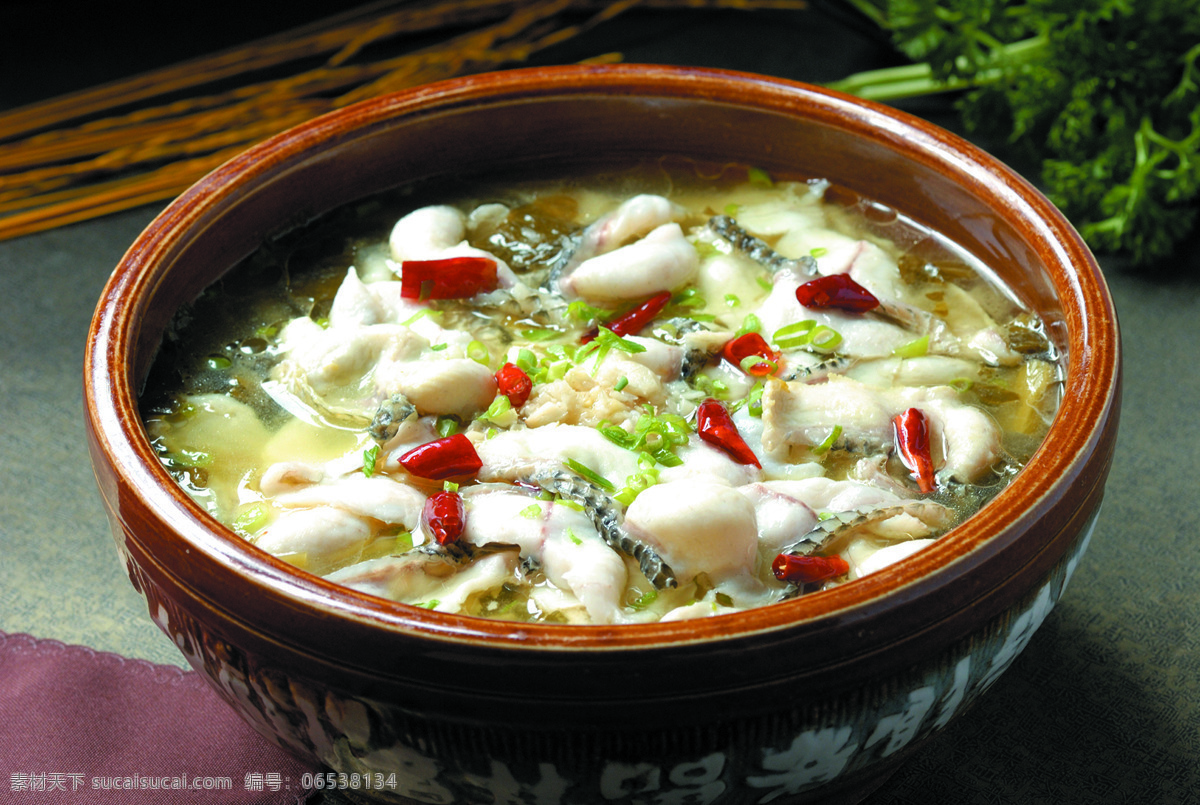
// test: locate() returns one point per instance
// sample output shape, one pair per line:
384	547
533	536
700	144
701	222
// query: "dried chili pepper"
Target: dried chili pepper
633	321
807	569
444	516
836	291
739	349
514	384
449	457
447	278
912	441
715	427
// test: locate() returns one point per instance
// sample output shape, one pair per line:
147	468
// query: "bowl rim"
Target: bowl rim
1092	383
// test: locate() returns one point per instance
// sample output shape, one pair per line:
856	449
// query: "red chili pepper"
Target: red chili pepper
632	322
715	427
444	516
836	291
912	440
444	458
738	349
514	384
448	278
805	569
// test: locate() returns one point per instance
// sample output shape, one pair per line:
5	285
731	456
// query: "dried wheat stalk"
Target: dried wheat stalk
77	157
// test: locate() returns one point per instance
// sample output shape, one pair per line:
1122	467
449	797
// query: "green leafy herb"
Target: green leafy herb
1104	95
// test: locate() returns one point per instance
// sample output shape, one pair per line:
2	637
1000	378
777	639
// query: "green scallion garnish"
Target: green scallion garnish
590	474
830	440
750	324
913	349
759	177
825	339
478	352
370	455
251	519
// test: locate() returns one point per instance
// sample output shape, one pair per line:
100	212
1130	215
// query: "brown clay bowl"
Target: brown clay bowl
815	699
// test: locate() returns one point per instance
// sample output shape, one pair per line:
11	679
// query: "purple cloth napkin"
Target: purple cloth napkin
79	725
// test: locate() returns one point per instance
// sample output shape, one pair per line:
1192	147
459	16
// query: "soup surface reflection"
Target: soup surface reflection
650	394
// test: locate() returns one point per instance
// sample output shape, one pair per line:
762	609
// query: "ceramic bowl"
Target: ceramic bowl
815	699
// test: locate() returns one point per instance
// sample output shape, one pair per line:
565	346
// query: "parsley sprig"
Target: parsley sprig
1105	95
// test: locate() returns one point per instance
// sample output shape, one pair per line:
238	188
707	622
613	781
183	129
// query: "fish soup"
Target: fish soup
656	393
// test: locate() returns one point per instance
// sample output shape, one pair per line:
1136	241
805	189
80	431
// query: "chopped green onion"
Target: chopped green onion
750	361
618	436
477	352
323	323
402	540
750	324
582	311
439	347
605	342
732	209
411	320
491	433
449	486
794	335
913	349
759	177
369	457
689	298
526	361
190	458
251	519
961	384
531	512
764	283
645	599
570	504
622	382
819	251
754	400
825	339
430	604
571	536
447	425
830	440
499	407
732	300
218	362
705	249
539	334
590	475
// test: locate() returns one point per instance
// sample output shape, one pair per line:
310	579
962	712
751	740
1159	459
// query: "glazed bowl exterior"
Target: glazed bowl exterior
815	699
